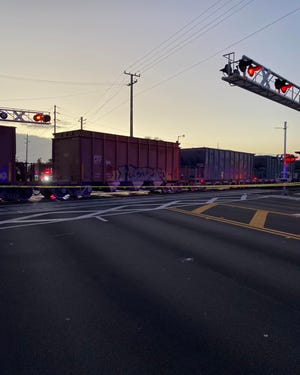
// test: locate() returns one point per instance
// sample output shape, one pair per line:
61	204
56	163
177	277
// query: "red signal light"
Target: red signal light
253	69
290	158
38	117
281	85
286	87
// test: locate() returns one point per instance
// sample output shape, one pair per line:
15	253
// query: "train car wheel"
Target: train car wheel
36	191
86	191
24	194
74	192
47	193
60	193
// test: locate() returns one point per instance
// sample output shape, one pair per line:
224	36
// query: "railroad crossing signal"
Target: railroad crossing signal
290	158
24	116
253	76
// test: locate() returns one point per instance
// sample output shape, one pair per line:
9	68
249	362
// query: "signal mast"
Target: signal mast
24	116
255	77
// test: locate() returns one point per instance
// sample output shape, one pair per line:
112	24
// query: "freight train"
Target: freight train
84	160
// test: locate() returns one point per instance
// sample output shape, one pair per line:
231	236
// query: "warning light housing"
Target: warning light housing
3	115
282	85
40	117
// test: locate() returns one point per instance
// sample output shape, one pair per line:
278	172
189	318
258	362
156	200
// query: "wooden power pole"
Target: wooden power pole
132	82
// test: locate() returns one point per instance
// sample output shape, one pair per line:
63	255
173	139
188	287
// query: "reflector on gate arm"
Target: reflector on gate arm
253	76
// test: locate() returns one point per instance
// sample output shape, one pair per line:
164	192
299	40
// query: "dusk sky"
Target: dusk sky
73	54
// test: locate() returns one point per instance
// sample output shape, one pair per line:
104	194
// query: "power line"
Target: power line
172	36
19	78
52	97
219	52
97	110
194	36
177	46
159	83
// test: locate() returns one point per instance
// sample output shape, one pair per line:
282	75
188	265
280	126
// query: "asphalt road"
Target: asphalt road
182	284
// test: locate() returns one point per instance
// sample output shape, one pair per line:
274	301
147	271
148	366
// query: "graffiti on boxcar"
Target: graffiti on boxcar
136	174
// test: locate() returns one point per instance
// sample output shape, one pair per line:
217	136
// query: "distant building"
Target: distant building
210	164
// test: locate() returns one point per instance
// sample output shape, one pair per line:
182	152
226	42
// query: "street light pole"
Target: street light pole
284	150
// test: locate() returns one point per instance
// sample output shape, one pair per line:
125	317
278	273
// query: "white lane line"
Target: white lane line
36	219
212	200
101	218
243	197
163	206
28	219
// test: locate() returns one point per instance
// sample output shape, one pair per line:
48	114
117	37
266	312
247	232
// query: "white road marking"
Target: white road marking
100	218
212	200
243	197
37	218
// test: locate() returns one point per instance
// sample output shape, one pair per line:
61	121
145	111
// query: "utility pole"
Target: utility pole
54	120
26	156
26	150
284	192
132	82
82	120
284	150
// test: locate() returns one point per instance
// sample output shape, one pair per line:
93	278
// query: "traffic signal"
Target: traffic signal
3	115
40	117
253	69
282	85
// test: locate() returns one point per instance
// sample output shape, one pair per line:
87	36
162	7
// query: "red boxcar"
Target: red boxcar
86	157
7	154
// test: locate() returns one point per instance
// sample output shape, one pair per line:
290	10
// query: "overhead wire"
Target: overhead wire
176	42
52	97
73	83
190	67
205	29
94	112
149	53
175	34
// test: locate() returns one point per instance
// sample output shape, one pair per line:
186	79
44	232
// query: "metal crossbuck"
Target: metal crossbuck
24	116
253	76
